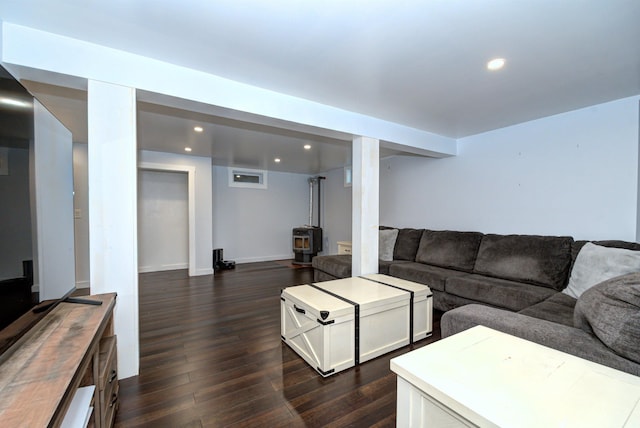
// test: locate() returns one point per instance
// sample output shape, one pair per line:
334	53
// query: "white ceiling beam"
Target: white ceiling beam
36	49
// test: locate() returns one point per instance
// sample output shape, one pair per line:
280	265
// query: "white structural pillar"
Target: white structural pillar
365	194
113	243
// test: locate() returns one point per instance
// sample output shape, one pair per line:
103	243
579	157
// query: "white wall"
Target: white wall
81	214
54	265
570	174
163	220
15	217
336	210
202	203
255	224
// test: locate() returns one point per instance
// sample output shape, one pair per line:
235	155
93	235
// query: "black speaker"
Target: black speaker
219	263
217	258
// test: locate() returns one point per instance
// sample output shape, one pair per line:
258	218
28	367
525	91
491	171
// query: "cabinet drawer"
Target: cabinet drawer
109	394
111	404
108	361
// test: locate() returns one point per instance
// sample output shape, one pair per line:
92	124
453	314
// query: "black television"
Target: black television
36	211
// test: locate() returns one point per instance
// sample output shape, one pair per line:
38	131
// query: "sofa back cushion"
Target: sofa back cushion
539	260
449	249
577	246
407	244
596	263
611	311
386	244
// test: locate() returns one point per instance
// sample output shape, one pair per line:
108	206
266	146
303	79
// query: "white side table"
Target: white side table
344	247
482	377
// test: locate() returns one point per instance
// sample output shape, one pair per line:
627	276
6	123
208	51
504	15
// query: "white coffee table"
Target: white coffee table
482	377
338	324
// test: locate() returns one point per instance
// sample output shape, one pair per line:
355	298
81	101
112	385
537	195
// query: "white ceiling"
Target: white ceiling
417	63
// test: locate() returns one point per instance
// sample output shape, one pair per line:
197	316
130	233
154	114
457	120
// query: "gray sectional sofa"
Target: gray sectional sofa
514	283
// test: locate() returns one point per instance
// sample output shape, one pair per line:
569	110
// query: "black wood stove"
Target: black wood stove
307	240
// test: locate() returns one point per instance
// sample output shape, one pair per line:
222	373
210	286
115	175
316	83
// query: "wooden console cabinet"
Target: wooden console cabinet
72	346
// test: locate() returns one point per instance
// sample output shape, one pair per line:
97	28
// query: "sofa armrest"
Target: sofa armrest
563	338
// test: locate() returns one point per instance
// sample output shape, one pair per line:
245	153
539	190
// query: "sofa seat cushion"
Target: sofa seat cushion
432	276
407	244
538	260
338	266
557	308
557	336
385	266
611	310
449	249
502	293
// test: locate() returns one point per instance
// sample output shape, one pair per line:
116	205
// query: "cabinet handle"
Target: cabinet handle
302	311
114	398
113	376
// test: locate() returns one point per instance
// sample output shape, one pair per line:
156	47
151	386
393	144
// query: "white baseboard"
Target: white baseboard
176	266
82	284
205	271
265	258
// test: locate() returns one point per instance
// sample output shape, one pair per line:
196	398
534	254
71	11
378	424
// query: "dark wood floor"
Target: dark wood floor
211	355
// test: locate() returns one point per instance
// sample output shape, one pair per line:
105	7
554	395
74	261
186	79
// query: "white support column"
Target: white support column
113	231
365	194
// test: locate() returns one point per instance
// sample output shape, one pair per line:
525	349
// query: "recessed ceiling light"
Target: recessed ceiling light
187	149
495	64
307	146
277	160
198	128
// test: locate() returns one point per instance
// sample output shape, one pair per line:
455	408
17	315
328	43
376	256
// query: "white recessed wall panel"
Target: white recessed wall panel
163	220
570	174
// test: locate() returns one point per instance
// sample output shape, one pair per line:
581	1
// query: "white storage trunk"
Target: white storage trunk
422	303
383	314
319	327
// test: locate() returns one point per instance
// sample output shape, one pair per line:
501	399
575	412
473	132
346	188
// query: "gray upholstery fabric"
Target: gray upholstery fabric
432	276
407	244
497	292
384	266
611	310
540	260
338	266
445	302
319	276
557	336
557	308
334	267
449	249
